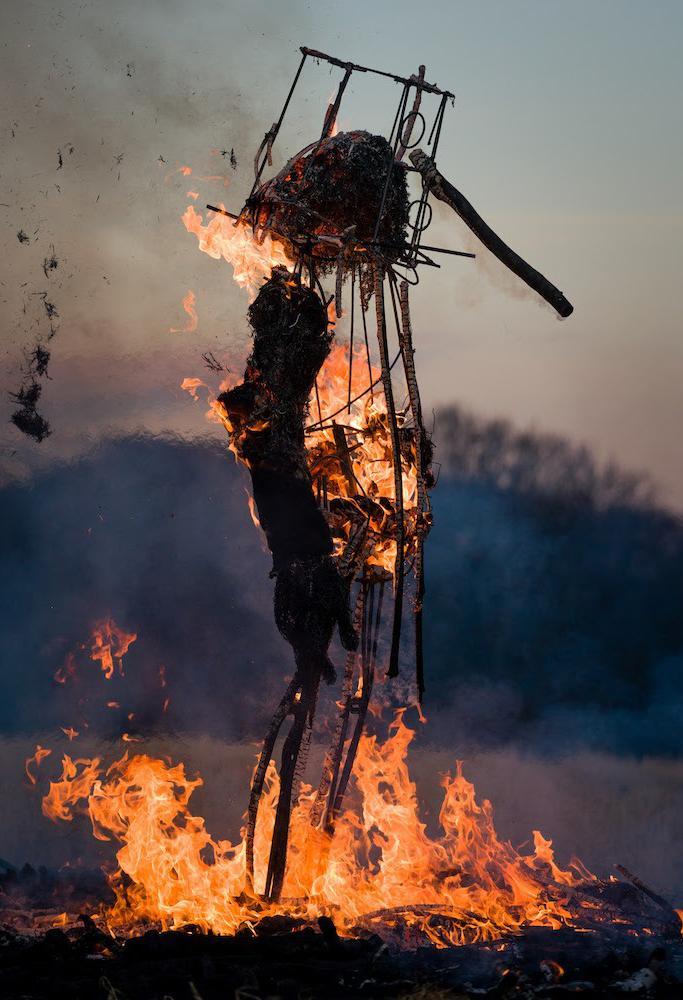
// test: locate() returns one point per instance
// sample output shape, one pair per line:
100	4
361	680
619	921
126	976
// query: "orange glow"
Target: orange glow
191	385
172	872
110	643
252	509
252	258
370	454
189	303
62	674
40	755
69	732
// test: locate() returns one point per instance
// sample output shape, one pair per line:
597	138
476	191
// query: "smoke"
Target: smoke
487	271
101	106
553	642
554	590
551	622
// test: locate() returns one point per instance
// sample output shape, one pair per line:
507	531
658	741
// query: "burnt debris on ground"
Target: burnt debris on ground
640	951
282	959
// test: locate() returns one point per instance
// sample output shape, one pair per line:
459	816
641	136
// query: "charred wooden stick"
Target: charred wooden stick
655	897
303	716
283	710
430	88
378	274
446	192
333	757
342	447
407	352
405	334
368	674
411	117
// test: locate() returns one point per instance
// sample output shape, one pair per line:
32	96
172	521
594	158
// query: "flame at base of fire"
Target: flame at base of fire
381	870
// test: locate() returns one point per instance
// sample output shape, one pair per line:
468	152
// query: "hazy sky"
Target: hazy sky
566	135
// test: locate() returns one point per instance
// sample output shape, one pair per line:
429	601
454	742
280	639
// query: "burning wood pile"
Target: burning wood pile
340	467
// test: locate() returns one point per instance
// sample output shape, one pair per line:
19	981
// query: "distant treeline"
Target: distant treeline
555	592
553	614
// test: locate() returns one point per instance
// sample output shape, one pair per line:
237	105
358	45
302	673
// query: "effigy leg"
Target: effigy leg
359	707
333	757
303	711
283	710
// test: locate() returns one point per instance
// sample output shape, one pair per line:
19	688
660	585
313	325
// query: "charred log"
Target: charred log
446	192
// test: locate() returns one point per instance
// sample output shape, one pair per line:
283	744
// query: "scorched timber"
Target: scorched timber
446	192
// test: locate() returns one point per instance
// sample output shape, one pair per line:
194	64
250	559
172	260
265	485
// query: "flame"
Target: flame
184	170
40	755
252	509
461	885
189	302
69	732
252	258
110	643
370	454
191	385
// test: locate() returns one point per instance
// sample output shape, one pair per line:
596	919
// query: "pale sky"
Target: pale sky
567	135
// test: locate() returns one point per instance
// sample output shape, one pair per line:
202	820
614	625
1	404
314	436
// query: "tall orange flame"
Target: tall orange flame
171	871
252	259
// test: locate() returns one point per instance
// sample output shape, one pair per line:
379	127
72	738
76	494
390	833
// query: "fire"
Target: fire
40	754
462	885
189	302
366	479
252	258
110	643
191	385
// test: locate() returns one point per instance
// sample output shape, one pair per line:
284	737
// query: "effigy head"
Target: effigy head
332	186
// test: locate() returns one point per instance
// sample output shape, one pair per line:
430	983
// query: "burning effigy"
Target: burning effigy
340	464
339	207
